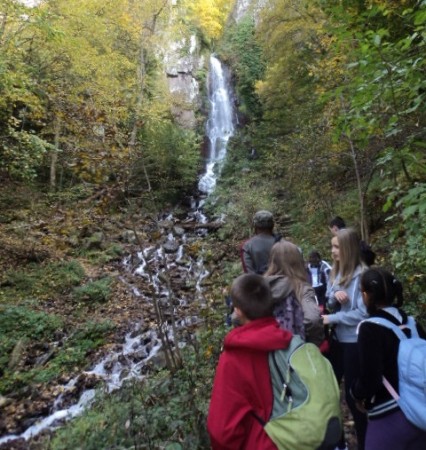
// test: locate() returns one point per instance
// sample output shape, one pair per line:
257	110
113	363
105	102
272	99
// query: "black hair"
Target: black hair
251	293
337	222
315	254
382	288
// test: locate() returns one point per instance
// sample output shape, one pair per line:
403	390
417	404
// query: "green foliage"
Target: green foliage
39	329
98	291
21	153
409	256
42	281
171	156
240	50
20	321
19	326
111	253
240	192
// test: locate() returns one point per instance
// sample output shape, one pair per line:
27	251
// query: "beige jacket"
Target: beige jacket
314	328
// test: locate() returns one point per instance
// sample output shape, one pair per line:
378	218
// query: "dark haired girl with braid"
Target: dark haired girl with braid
378	346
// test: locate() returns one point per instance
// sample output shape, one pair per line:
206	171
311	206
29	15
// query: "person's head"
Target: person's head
263	222
335	249
336	224
251	297
380	289
314	258
346	254
286	259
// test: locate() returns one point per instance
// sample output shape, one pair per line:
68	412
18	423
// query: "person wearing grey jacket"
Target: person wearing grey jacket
255	251
347	311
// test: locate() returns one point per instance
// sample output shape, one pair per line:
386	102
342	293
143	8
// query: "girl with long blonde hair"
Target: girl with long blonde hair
345	300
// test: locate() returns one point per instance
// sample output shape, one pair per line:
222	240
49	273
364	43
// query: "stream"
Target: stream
155	264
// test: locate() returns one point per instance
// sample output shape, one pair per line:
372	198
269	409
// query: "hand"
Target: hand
341	297
325	320
360	406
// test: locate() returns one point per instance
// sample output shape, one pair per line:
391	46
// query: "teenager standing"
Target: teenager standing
378	349
345	300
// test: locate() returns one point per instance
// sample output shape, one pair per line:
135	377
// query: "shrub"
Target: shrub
97	291
42	281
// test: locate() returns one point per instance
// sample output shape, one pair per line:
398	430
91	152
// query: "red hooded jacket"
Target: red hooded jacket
242	387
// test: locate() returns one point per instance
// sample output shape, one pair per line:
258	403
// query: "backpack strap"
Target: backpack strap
390	389
411	324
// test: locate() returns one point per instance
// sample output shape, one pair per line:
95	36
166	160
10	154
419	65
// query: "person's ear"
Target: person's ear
365	298
240	315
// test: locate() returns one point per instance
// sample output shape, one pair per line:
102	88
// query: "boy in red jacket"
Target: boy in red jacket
242	391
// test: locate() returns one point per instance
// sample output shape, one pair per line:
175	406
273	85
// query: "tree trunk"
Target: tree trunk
54	155
363	224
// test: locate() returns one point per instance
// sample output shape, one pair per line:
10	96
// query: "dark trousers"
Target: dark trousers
394	432
345	361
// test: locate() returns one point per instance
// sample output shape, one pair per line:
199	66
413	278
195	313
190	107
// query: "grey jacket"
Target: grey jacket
314	328
255	253
349	314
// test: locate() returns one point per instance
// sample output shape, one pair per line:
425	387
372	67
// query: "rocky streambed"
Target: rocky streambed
164	269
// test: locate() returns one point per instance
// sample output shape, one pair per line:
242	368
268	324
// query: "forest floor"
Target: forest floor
37	232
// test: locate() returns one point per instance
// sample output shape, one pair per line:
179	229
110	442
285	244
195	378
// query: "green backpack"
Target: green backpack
306	412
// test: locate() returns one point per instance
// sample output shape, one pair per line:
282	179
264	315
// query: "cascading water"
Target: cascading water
141	345
220	124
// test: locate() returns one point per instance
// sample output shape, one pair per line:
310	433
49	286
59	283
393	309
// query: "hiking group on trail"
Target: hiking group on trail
298	331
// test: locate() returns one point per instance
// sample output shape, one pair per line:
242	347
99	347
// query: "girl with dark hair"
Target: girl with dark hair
378	350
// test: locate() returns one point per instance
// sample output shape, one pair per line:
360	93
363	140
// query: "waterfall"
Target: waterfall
142	345
219	126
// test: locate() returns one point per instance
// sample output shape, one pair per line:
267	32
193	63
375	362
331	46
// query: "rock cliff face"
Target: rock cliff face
182	61
244	7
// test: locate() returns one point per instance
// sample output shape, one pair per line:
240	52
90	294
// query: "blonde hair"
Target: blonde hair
349	256
286	259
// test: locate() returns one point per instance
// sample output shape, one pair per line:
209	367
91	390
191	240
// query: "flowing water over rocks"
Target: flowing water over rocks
168	270
220	124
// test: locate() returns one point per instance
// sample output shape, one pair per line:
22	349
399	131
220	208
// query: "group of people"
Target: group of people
278	296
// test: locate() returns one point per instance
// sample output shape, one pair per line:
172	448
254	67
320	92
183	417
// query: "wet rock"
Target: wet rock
171	246
135	333
91	381
4	401
108	366
43	359
158	361
124	374
128	236
139	355
178	231
15	444
147	340
17	354
122	359
95	241
165	224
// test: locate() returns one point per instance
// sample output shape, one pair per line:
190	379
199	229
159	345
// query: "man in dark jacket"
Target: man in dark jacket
255	251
